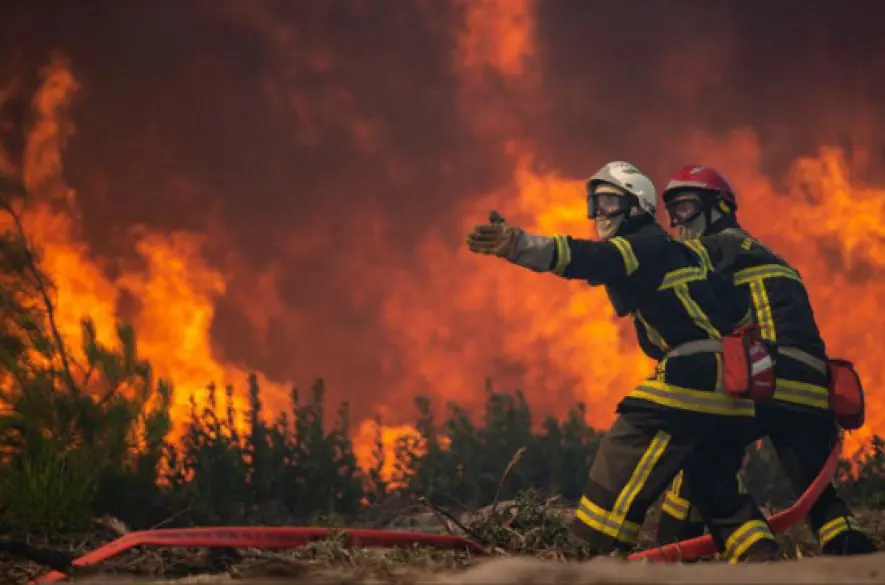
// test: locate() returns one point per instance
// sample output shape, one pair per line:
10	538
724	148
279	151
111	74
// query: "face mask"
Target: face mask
607	227
608	206
693	228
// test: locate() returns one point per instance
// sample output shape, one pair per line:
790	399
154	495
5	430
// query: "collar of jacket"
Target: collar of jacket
723	223
643	224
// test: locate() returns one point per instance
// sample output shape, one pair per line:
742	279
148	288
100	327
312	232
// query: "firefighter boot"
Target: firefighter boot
849	542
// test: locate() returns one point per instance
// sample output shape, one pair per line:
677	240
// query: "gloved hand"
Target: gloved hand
496	237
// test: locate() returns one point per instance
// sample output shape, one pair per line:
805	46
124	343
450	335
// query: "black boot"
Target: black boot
764	551
850	542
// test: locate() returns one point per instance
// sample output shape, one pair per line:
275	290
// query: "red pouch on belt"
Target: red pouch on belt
846	394
749	366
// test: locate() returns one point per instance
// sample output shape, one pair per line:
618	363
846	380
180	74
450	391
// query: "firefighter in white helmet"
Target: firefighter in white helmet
678	418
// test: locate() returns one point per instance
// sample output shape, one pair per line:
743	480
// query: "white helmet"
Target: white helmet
627	177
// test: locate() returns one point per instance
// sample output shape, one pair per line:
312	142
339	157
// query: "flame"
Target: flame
365	448
176	289
830	228
457	318
559	339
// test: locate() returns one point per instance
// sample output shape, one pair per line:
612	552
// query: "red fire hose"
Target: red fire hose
294	537
263	537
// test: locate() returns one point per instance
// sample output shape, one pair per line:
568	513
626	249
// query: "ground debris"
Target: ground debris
527	530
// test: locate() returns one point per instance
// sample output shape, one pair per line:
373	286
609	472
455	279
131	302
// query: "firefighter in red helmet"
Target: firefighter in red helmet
678	418
798	420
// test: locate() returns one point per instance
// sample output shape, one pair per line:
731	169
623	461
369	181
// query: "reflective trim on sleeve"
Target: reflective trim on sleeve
563	254
631	262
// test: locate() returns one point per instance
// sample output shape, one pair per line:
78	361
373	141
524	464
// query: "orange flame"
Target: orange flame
459	318
176	289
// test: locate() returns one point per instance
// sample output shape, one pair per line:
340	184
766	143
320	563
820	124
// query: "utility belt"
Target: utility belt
748	365
845	389
749	371
815	363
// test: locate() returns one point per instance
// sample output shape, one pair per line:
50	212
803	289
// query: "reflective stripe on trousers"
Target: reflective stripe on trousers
614	522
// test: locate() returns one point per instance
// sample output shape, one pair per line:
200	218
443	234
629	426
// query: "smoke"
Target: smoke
307	170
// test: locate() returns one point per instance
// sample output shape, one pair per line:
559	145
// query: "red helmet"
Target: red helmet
702	178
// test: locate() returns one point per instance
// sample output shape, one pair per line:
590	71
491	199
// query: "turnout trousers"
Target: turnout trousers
802	431
632	469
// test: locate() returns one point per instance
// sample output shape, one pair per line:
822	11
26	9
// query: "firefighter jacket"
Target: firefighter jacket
781	309
663	285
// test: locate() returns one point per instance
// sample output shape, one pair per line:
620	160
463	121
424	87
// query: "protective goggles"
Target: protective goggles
683	210
607	204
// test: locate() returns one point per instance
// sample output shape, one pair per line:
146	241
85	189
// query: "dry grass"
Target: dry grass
529	527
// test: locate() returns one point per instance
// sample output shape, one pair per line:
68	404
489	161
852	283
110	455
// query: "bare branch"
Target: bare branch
43	289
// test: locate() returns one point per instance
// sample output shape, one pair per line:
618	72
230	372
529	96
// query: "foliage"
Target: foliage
867	485
70	426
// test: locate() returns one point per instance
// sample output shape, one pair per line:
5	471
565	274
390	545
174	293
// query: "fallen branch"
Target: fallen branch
446	515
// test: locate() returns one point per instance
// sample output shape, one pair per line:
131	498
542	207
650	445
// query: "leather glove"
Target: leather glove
514	244
496	237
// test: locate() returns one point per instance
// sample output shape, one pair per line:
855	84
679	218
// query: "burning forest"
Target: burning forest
276	193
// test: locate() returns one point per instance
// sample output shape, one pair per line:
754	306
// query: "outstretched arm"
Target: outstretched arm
568	257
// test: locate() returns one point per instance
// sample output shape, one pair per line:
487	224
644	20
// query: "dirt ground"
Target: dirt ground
530	571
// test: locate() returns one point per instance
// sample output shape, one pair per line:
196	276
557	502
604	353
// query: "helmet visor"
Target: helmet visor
606	204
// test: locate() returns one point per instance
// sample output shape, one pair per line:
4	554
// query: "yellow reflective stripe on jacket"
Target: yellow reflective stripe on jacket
720	369
764	317
631	262
755	278
702	401
653	334
765	271
801	393
695	312
747	319
698	248
682	276
606	522
563	254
